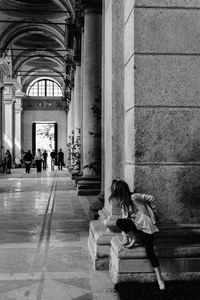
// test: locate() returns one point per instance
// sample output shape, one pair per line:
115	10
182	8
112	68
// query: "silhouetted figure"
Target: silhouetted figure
38	160
53	159
8	162
44	156
28	157
60	159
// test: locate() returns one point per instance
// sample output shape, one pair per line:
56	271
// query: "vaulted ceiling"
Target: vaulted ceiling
33	38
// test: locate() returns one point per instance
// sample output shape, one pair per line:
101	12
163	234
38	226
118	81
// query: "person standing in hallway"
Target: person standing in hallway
4	163
44	156
60	159
53	159
8	162
28	157
138	220
38	160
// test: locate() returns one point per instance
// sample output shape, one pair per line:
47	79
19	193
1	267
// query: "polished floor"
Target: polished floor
43	240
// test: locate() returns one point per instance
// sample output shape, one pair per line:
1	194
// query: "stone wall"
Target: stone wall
162	105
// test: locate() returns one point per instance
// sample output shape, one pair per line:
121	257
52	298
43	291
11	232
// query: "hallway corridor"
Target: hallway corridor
43	240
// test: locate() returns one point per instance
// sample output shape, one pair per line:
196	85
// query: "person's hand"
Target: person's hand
133	216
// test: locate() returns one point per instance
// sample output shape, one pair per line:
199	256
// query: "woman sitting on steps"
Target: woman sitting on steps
138	219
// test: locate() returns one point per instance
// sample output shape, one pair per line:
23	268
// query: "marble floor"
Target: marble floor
43	240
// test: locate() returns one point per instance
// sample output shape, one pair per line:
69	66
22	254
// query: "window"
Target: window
45	88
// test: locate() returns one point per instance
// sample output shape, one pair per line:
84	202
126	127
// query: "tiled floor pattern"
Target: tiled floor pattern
43	240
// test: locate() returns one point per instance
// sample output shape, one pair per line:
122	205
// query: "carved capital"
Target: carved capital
19	95
92	6
12	83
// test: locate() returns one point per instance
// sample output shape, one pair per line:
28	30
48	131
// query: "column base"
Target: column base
99	245
88	185
177	260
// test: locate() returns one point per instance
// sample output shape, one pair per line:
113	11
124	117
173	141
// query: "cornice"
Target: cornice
95	5
12	83
20	95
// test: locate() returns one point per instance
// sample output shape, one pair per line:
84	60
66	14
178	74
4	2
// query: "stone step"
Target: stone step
163	250
83	182
87	192
90	178
181	257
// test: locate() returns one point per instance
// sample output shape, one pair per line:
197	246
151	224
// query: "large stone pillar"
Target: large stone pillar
70	129
104	229
1	121
18	127
77	111
11	85
91	86
4	71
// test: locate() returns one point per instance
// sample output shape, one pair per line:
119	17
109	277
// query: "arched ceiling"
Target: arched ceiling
32	33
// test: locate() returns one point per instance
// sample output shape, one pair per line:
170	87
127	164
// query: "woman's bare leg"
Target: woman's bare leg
160	280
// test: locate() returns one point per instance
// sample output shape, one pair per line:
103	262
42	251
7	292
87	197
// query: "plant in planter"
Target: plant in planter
76	151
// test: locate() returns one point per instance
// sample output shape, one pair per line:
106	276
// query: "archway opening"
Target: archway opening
45	137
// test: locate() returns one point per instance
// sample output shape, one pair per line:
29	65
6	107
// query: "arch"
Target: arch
66	4
27	79
20	60
45	87
15	32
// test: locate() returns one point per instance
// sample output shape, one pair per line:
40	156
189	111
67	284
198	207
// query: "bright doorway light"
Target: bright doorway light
45	137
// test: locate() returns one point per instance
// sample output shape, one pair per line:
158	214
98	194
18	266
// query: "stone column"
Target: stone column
70	122
4	71
11	85
8	134
77	100
1	122
104	229
77	109
18	127
91	85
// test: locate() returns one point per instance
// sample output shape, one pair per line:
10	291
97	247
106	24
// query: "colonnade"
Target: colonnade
97	108
85	106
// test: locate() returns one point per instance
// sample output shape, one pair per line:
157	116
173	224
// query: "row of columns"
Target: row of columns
85	91
105	76
10	114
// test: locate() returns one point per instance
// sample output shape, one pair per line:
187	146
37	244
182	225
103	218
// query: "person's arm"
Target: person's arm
149	199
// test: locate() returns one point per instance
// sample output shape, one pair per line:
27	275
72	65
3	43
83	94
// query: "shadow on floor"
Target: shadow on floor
175	290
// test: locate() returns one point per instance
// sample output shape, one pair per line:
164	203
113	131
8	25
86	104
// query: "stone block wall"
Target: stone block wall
162	104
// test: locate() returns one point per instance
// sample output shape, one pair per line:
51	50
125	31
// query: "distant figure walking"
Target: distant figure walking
28	157
53	159
8	162
44	156
60	159
38	160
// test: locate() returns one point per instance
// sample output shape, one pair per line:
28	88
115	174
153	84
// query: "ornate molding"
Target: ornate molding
4	67
12	83
18	105
44	104
20	95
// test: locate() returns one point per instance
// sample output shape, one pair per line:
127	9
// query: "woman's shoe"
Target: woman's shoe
161	285
130	244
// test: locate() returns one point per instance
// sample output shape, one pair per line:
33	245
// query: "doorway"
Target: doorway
44	137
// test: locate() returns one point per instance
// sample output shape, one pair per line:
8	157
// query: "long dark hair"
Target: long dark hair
121	192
